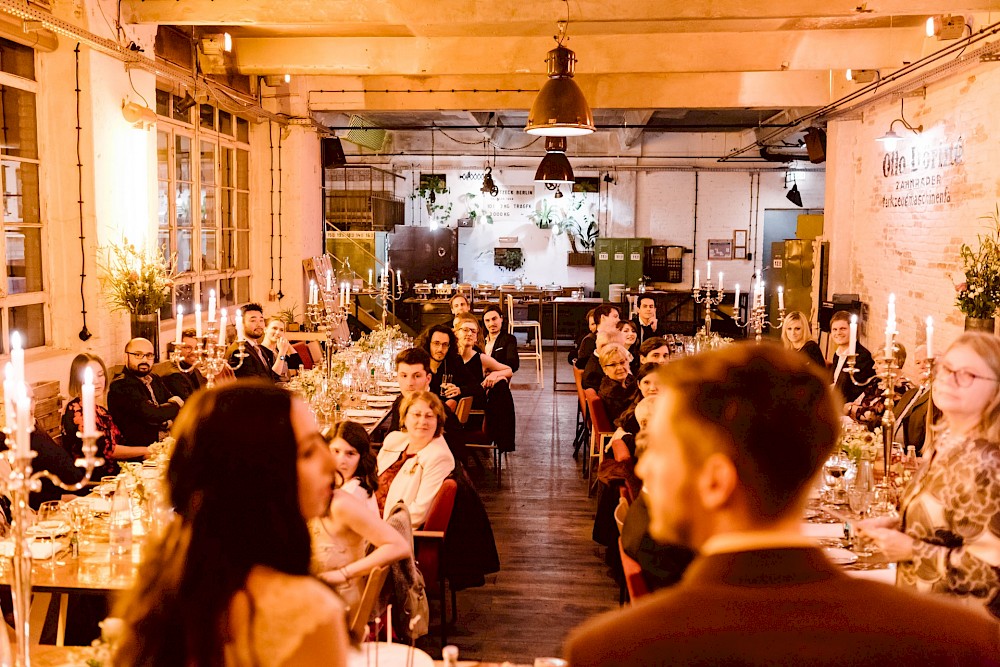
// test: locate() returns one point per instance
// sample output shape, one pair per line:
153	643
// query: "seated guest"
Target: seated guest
663	563
499	344
796	335
645	318
447	368
606	316
341	538
735	442
593	372
618	388
459	304
418	447
354	458
630	331
591	330
111	445
182	378
477	365
285	356
911	409
413	373
139	402
228	582
498	403
867	409
840	334
260	362
648	384
654	351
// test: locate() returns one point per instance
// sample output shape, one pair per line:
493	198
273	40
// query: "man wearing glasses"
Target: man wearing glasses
140	404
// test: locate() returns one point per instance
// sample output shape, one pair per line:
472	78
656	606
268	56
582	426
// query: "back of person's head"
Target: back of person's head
605	338
797	317
603	311
644	410
356	436
76	368
767	409
414	356
651	344
233	481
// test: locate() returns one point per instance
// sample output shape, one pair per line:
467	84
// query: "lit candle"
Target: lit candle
708	270
17	358
180	325
369	277
852	345
399	277
329	280
87	399
223	317
781	297
930	337
348	286
736	300
888	341
240	333
720	281
697	279
8	396
891	319
211	306
23	422
197	320
312	292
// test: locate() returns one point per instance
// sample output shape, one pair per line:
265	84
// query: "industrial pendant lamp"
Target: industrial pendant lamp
555	167
560	110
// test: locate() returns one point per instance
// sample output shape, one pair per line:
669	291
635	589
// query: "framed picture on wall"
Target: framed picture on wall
739	253
720	249
739	244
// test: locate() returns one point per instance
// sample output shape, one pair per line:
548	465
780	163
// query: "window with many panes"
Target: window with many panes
22	297
203	175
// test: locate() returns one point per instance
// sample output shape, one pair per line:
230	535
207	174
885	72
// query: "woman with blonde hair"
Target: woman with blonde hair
946	540
796	335
618	388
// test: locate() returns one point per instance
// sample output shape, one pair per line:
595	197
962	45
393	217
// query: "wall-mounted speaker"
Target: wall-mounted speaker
816	145
332	152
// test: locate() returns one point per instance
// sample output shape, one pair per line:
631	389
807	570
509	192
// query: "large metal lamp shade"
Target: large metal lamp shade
555	167
560	110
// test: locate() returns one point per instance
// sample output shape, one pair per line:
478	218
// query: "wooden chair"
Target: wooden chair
359	617
532	326
478	439
428	547
634	582
601	430
582	416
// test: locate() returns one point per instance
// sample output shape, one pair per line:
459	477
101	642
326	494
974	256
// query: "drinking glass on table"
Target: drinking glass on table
50	522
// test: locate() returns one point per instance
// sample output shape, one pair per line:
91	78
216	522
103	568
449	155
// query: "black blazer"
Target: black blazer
911	429
52	458
866	369
134	411
505	351
252	366
178	382
646	332
811	350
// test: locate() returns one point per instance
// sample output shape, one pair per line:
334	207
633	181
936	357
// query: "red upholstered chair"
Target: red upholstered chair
633	575
619	449
601	430
582	417
428	546
302	350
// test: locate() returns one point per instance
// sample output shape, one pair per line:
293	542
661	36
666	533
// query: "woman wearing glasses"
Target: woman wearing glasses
618	387
477	365
947	539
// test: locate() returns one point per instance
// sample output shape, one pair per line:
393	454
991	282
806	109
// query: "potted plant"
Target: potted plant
137	281
580	227
288	316
978	296
428	189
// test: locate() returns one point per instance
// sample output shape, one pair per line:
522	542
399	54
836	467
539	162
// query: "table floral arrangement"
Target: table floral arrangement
856	441
136	280
978	295
162	450
308	382
381	339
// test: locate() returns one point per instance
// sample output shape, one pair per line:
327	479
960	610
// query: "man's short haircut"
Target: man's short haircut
844	315
603	311
458	295
252	307
651	344
646	297
768	409
414	356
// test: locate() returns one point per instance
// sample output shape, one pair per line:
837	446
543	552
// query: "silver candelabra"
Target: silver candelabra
210	355
703	293
757	316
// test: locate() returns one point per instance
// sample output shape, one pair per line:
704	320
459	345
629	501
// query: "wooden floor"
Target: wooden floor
552	574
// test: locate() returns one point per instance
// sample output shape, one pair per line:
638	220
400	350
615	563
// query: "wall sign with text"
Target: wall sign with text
918	174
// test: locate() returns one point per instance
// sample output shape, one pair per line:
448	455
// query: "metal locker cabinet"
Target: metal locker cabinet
602	265
635	250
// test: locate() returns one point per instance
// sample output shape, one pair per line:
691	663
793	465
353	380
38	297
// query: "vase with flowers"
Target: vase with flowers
978	296
138	281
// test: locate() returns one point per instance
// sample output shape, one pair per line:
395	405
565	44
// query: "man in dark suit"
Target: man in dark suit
139	402
607	317
260	361
182	378
645	319
840	333
500	344
911	410
737	438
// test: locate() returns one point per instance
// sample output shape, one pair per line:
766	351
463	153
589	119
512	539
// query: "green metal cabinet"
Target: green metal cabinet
618	261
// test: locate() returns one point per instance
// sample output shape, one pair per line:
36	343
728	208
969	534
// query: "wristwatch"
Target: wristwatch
283	357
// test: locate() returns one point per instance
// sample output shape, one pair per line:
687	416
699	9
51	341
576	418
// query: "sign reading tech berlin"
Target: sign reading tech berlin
918	175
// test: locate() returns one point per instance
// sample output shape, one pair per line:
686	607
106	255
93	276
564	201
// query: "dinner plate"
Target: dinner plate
375	399
42	529
389	387
840	556
40	549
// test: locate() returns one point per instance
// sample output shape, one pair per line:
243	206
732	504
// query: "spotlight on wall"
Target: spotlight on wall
890	138
794	195
185	103
862	75
227	42
946	26
288	78
138	114
216	44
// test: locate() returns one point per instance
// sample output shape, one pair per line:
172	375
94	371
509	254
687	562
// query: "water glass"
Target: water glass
445	382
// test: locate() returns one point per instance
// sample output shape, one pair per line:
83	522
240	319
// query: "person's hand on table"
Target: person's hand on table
889	522
492	378
334	577
897	546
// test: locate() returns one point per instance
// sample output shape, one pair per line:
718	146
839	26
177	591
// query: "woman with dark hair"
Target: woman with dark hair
499	343
341	537
631	331
111	445
228	583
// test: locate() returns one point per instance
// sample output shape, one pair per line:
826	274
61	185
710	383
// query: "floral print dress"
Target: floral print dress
952	509
72	423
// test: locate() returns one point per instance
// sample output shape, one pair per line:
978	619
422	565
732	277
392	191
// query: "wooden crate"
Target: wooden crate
48	406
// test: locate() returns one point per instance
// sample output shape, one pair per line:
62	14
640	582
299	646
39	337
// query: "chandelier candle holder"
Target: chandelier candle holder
757	313
22	480
327	309
210	349
707	293
390	290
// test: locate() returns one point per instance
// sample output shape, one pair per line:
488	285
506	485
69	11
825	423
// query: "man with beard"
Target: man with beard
140	404
260	361
736	440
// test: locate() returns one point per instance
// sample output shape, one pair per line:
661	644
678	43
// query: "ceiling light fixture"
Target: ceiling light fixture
554	167
890	138
794	195
560	109
185	103
558	194
946	26
862	75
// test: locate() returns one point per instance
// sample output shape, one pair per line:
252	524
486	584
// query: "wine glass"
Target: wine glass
51	522
834	470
